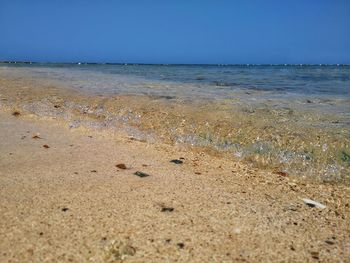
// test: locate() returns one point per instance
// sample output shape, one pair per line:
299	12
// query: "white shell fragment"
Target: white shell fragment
313	203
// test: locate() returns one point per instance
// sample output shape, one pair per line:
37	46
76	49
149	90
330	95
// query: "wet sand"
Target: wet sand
293	138
69	202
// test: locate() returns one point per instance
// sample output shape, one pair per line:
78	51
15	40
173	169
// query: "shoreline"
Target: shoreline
301	143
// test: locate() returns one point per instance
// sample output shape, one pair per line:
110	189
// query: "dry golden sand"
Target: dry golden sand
70	203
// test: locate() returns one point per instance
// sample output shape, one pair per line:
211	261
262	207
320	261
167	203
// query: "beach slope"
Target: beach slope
63	199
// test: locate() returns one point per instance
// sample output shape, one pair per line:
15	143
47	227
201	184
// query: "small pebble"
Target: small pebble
329	242
315	255
280	173
167	209
141	174
46	146
65	209
16	113
176	161
180	245
313	203
121	166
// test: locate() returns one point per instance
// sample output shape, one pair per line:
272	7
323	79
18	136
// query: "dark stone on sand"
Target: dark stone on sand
93	171
280	173
315	255
46	146
180	245
176	161
167	209
65	209
121	166
16	113
329	242
141	174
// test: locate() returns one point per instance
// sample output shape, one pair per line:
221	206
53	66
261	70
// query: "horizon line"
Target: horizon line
171	64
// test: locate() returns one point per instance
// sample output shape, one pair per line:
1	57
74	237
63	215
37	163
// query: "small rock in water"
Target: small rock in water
141	174
121	166
176	161
167	209
313	203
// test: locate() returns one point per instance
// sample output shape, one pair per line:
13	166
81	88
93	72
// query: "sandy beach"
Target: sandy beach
174	131
68	202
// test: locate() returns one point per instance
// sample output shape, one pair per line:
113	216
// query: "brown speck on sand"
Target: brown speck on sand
280	173
121	166
315	255
16	113
46	146
180	245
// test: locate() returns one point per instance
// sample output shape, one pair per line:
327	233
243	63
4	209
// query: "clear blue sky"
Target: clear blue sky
181	31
